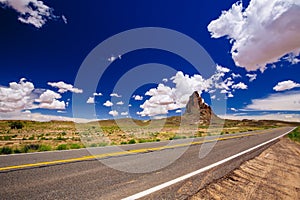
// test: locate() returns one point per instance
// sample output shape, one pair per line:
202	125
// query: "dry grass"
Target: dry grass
53	135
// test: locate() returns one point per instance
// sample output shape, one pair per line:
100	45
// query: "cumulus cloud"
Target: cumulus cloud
64	87
164	98
64	19
33	12
120	103
91	100
48	96
113	58
41	117
108	103
236	75
124	113
275	116
233	109
165	80
178	111
49	100
97	94
115	95
240	85
277	102
286	85
54	105
114	113
251	77
16	97
260	34
137	97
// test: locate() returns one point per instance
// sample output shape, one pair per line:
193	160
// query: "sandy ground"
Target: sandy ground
274	174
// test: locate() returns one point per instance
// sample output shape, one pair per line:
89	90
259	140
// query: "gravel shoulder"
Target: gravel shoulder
274	174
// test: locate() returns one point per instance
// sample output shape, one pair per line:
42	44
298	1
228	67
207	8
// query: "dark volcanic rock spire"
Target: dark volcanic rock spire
197	110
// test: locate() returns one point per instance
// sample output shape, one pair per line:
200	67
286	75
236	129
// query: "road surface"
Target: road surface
110	173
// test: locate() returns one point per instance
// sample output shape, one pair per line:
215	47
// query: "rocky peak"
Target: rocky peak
197	110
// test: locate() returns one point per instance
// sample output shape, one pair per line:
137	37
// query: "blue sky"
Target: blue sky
255	54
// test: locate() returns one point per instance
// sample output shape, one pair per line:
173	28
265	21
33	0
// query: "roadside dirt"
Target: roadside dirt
274	174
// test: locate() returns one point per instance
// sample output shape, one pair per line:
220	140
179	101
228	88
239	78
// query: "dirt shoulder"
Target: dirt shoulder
274	174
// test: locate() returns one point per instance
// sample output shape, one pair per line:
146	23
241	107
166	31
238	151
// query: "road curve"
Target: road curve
77	174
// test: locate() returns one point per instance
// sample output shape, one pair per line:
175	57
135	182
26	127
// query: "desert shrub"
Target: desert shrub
6	137
44	147
132	141
62	147
17	150
123	142
6	150
30	147
16	125
75	146
295	135
31	137
93	145
102	144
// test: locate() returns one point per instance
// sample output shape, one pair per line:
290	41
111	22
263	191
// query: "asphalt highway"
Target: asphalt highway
118	172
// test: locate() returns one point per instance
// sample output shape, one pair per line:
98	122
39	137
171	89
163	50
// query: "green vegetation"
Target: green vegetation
6	150
16	125
31	136
132	141
295	134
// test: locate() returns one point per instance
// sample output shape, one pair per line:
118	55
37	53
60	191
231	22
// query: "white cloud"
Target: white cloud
230	95
48	96
178	111
33	12
276	116
138	97
113	113
108	104
262	33
115	95
26	112
286	85
291	57
165	98
113	58
64	87
129	105
97	94
240	85
41	117
64	19
16	97
120	103
54	105
222	69
251	77
91	100
49	100
124	113
165	80
236	75
277	102
233	109
62	111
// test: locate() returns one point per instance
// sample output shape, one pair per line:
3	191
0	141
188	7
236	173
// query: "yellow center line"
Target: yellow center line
115	154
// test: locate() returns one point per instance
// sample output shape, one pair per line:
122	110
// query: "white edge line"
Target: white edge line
184	177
